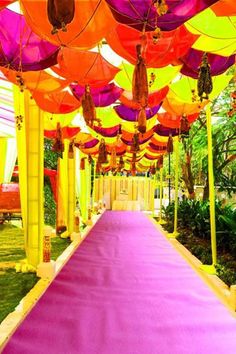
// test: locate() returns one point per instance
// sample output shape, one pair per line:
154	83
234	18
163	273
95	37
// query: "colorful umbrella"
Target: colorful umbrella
56	102
102	96
91	22
131	114
20	48
162	52
192	60
93	68
154	98
143	15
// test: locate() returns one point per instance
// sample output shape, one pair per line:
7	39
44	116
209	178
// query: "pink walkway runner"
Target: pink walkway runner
126	291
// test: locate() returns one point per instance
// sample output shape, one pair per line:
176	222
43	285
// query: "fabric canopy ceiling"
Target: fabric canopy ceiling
57	68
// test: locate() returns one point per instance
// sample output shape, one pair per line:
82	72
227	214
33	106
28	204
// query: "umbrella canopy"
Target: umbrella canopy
91	22
20	48
93	68
102	96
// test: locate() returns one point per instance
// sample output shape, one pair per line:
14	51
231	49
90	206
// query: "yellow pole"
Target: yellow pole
30	160
211	268
161	222
176	149
71	194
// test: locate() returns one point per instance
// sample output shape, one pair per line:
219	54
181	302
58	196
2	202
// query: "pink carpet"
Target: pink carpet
126	291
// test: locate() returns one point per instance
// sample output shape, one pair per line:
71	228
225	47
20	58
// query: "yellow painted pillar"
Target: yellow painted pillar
83	191
176	149
161	222
211	268
3	154
30	142
71	195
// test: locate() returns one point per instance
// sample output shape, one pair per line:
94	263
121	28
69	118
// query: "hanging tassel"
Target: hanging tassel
58	145
142	121
89	112
170	147
204	84
135	143
121	164
184	126
102	152
160	162
71	150
90	160
161	7
113	162
60	13
82	164
140	80
133	168
98	168
152	170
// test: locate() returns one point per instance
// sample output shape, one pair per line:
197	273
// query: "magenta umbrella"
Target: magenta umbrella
20	48
131	114
192	60
142	14
102	96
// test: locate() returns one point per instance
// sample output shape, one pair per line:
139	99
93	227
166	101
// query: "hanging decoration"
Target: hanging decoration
58	145
161	7
71	150
102	152
160	162
60	13
184	126
121	164
140	80
89	112
113	163
170	147
82	163
204	84
142	121
135	143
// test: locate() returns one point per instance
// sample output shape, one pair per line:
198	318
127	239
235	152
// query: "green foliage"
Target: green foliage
14	286
50	162
49	204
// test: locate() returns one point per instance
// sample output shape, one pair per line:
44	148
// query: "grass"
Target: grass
14	286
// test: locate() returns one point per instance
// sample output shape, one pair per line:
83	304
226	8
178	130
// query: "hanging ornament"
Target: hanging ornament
20	82
140	80
82	163
184	126
71	150
133	168
161	7
135	143
152	170
156	34
98	168
152	79
204	84
89	112
142	121
170	147
90	160
60	13
121	164
194	95
58	145
102	152
160	162
113	162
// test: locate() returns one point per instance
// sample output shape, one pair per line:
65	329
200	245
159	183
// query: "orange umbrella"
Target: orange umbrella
35	80
224	8
154	99
164	51
91	22
4	3
85	67
175	107
173	120
56	102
